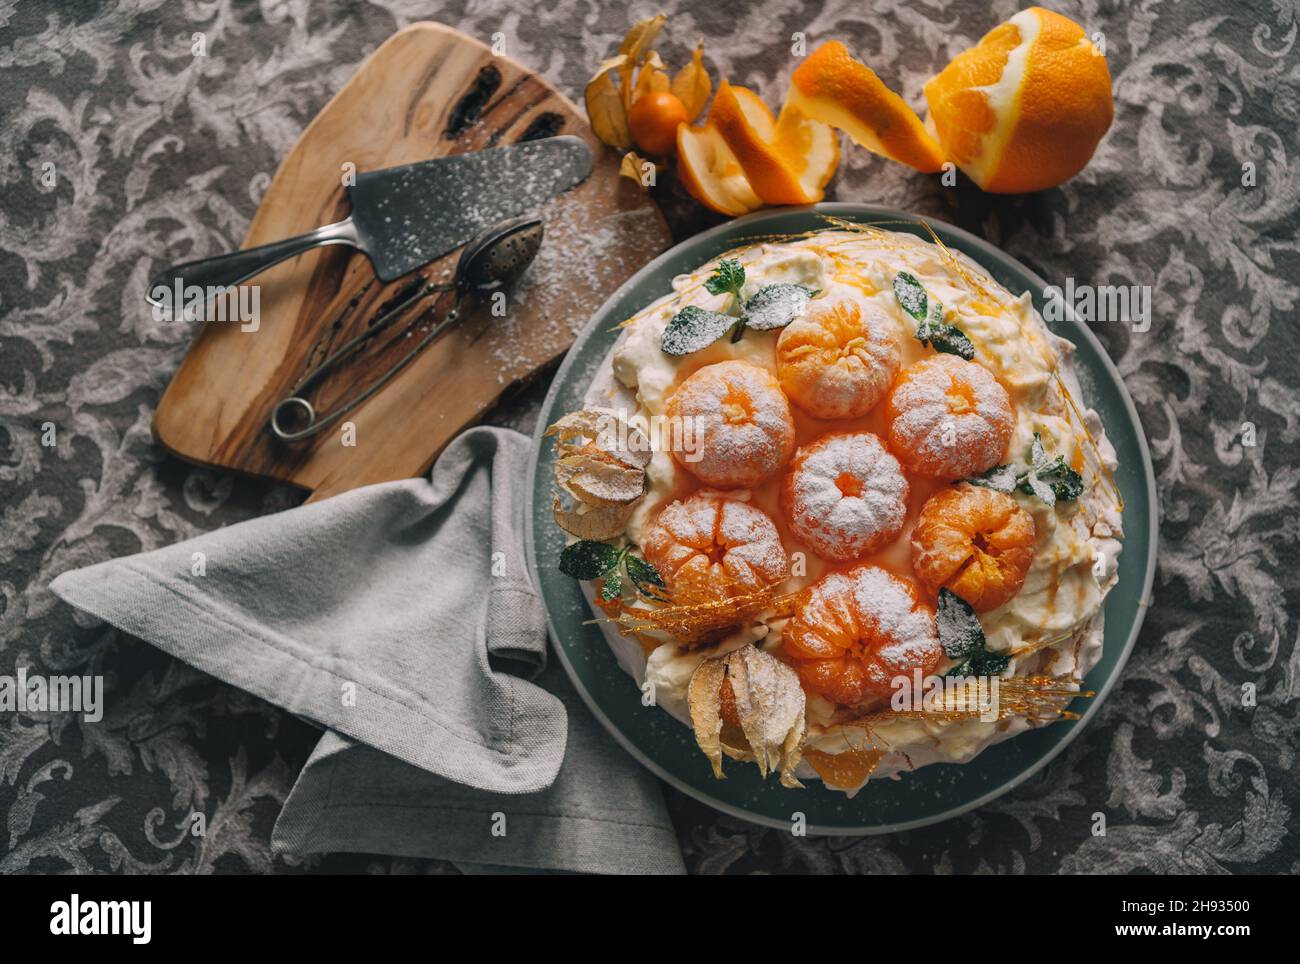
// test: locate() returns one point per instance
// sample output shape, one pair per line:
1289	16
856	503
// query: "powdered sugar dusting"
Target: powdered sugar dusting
840	360
846	495
743	429
889	612
858	631
736	542
932	437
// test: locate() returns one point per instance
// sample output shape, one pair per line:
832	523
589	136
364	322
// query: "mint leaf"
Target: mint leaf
951	340
613	587
694	328
775	306
1050	478
1000	478
729	276
1038	457
588	559
645	577
1036	486
911	295
960	631
989	664
1065	483
931	330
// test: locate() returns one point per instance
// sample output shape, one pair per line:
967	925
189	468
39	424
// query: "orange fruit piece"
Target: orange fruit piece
1024	109
787	162
948	418
832	87
732	425
845	496
810	148
710	172
857	631
711	548
976	542
837	362
653	121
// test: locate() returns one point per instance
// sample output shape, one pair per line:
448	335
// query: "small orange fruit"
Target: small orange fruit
653	121
948	418
711	548
857	631
832	87
845	496
736	426
1024	109
975	542
838	361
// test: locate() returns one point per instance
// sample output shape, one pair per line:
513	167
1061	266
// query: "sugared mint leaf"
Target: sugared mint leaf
931	329
989	664
645	577
1050	477
1066	484
694	328
911	295
613	586
729	276
775	306
1000	478
951	340
588	559
1036	486
960	632
1038	457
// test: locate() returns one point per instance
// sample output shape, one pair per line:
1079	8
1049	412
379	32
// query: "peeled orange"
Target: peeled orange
1024	109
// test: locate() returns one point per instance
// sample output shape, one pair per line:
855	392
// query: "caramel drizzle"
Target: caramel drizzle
1037	698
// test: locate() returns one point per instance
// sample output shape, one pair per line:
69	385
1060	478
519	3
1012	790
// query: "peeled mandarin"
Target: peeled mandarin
948	418
975	542
733	425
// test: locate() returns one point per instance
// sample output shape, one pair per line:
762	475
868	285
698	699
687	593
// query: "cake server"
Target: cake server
405	217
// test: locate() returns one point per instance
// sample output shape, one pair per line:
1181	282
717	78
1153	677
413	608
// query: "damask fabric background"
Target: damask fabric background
160	155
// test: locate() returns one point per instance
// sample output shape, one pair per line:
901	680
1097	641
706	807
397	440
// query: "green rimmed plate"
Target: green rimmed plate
932	793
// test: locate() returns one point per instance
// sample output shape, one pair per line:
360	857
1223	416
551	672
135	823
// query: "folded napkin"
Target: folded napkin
400	618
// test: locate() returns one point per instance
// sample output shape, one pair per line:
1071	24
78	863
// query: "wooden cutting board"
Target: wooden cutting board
428	91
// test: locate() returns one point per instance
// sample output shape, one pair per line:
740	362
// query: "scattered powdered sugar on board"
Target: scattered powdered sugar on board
580	264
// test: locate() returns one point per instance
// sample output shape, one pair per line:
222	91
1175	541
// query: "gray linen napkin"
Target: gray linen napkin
397	617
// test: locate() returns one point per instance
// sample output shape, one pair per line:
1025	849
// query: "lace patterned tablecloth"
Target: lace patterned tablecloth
116	142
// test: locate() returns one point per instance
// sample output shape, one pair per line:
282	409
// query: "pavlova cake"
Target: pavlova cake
839	507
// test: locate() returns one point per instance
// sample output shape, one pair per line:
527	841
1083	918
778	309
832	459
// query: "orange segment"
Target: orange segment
832	87
811	148
1024	109
778	159
710	172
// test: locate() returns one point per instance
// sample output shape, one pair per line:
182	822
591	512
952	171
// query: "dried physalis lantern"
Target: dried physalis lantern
635	105
750	706
600	463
